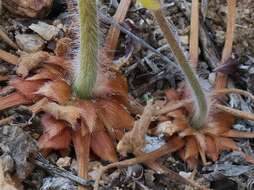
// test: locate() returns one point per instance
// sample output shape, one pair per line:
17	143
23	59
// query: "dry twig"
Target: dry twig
114	32
172	107
137	39
235	112
8	57
194	33
166	149
221	79
233	90
43	163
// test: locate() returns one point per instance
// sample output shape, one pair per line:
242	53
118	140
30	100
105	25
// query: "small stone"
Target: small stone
56	22
60	26
220	36
149	177
57	183
165	128
185	174
36	136
211	78
184	39
46	31
153	143
135	171
63	162
93	168
30	43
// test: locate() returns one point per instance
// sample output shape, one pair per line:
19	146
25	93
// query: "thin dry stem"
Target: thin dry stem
238	134
114	32
182	103
236	113
221	79
194	33
173	176
233	90
166	149
8	57
172	107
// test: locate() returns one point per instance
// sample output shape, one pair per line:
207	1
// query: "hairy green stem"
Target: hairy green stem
199	95
86	75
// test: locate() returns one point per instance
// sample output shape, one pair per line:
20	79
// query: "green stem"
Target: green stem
199	95
86	76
